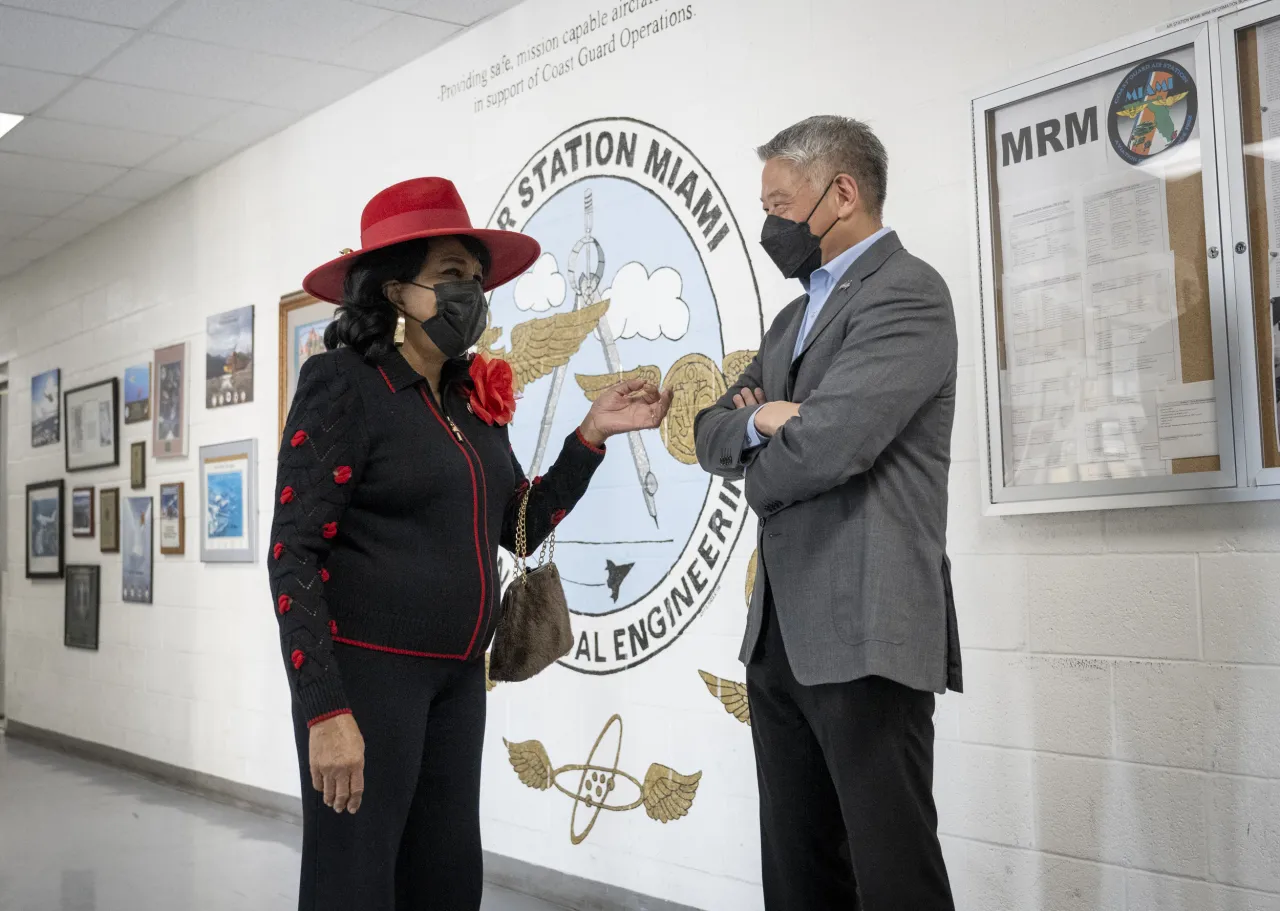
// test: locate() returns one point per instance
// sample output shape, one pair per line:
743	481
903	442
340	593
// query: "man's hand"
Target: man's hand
337	762
771	417
749	398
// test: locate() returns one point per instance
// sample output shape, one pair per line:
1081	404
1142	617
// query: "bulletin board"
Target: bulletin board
1260	243
1102	286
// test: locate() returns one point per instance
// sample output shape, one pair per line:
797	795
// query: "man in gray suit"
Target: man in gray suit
842	426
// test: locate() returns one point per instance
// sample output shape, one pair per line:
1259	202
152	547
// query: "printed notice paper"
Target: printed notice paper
1188	420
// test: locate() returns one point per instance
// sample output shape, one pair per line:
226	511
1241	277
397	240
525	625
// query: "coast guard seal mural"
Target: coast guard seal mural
644	272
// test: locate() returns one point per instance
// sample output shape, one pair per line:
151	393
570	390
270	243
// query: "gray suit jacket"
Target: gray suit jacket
852	494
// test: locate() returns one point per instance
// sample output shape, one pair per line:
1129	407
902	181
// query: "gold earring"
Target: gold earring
400	327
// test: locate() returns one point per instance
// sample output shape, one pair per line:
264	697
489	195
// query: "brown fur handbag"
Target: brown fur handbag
534	631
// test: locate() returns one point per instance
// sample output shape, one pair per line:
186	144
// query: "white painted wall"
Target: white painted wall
1118	747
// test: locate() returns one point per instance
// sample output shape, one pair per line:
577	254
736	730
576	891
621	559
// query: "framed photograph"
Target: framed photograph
228	359
80	623
138	534
137	394
109	503
173	535
169	421
91	437
82	512
303	320
46	409
138	465
45	531
228	502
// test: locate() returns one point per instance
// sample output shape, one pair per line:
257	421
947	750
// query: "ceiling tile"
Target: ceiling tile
391	46
55	44
195	68
80	142
133	108
26	201
17	225
191	157
463	12
399	6
142	185
320	84
310	29
11	262
129	13
30	247
99	209
25	91
34	173
62	230
252	123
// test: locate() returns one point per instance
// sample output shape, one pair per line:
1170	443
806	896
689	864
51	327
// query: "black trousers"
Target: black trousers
414	845
847	819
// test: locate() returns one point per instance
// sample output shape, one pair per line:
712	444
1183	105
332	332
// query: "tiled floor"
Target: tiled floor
75	836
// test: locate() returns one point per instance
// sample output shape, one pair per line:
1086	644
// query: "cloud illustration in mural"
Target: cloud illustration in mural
543	287
648	306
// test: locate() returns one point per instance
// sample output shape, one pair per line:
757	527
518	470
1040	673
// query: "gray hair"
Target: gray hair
827	145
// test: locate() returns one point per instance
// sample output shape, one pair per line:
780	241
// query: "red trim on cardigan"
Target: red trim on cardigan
324	575
329	531
278	550
326	716
387	380
298	659
395	651
286	496
342	474
475	517
283	603
598	450
298	439
557	517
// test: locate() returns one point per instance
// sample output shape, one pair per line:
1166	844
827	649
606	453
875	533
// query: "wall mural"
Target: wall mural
640	254
665	794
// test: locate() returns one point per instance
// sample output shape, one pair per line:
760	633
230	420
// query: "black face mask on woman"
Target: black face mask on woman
461	315
792	245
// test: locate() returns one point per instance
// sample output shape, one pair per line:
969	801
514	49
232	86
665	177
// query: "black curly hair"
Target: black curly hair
366	320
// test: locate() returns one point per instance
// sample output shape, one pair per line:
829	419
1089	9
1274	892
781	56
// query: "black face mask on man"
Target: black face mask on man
792	245
462	312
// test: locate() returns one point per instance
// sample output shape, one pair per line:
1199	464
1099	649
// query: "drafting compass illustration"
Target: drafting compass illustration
585	277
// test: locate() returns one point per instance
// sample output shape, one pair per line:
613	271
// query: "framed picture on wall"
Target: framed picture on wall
46	409
80	616
138	465
109	520
228	502
303	320
169	421
45	531
138	539
137	394
82	512
91	437
173	535
228	360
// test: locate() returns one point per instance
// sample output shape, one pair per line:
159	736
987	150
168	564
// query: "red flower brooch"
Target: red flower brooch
493	395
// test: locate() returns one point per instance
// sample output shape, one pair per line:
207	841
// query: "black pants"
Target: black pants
847	819
415	843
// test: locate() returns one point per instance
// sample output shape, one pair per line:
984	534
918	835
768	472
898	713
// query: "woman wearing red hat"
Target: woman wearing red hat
396	484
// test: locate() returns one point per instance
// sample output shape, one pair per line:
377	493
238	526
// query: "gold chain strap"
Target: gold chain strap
548	551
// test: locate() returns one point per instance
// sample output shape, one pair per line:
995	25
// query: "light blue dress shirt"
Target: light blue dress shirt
819	286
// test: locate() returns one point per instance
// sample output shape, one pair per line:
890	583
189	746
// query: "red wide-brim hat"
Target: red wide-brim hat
423	207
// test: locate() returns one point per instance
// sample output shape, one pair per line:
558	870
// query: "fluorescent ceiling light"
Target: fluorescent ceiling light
8	122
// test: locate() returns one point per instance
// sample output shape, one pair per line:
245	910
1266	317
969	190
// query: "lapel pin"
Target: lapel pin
845	286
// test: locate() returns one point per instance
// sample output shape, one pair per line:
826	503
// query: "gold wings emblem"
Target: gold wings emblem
1169	101
539	346
668	795
735	364
593	385
531	763
732	695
